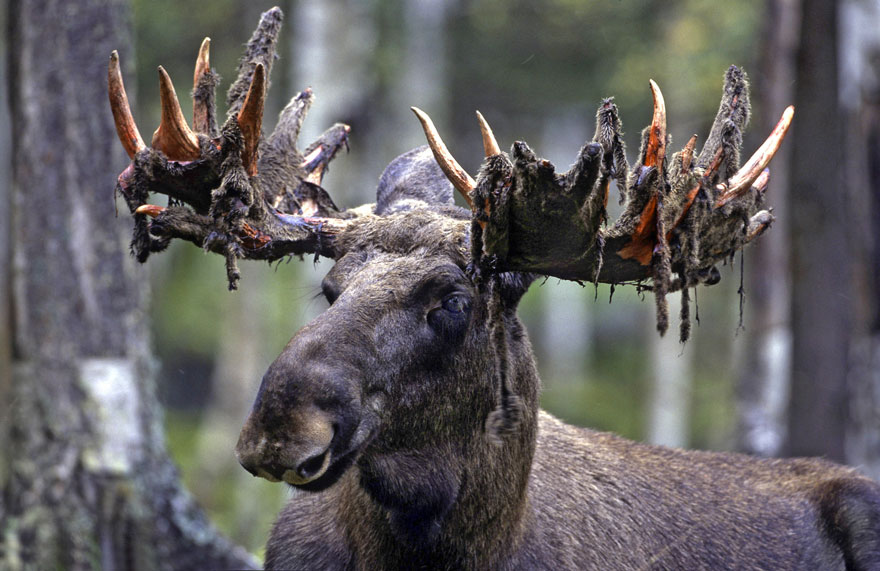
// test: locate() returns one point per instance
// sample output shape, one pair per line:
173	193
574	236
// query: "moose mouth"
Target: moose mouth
333	467
329	474
309	471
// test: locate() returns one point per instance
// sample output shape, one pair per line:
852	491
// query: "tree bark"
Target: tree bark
860	57
89	483
5	245
822	261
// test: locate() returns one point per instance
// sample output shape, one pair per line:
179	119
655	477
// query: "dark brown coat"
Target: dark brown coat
378	408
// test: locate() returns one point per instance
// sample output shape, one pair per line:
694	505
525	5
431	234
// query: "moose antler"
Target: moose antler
235	195
217	200
681	216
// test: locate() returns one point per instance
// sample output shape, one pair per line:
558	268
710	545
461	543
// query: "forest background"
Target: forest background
790	367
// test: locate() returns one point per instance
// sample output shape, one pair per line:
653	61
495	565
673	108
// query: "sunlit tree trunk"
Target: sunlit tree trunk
763	384
89	484
331	50
421	80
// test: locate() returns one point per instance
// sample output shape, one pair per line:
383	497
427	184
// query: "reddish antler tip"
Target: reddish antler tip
150	210
203	61
126	128
173	136
201	106
687	154
655	152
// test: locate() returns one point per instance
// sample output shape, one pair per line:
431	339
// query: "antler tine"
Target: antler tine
749	173
126	128
213	203
260	49
672	221
655	152
150	210
323	150
201	110
687	153
250	118
173	136
460	179
490	145
203	61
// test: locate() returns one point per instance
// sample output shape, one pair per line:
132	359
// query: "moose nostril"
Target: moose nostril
312	466
274	470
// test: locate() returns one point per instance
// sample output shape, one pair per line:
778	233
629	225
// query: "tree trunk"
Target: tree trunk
331	45
89	483
763	385
5	245
860	58
863	438
822	262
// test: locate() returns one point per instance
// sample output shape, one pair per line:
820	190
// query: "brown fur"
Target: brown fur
404	380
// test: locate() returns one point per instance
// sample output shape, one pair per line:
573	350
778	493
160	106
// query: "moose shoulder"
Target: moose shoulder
407	413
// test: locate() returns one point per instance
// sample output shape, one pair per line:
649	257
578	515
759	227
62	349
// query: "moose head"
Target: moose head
411	403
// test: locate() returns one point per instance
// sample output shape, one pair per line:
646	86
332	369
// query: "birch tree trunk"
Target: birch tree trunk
331	47
89	484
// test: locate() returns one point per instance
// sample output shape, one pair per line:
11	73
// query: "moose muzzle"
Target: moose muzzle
300	457
307	416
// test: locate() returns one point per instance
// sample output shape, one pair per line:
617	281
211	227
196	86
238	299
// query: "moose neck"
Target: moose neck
455	497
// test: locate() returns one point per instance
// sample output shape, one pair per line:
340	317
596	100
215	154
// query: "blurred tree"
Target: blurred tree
88	483
822	260
860	96
671	383
5	238
816	326
223	484
763	383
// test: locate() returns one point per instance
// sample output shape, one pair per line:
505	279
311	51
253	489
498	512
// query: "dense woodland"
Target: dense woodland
785	359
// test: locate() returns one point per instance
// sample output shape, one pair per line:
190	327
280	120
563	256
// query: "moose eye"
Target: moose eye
456	304
450	319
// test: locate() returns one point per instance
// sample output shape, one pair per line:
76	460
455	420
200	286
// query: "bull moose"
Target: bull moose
407	412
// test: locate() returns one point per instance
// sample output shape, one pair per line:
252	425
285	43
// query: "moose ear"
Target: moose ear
412	180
